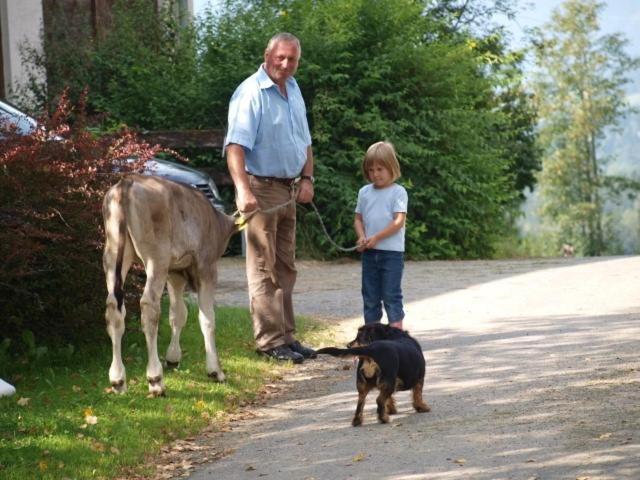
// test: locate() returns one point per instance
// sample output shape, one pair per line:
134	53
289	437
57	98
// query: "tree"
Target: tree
374	70
579	91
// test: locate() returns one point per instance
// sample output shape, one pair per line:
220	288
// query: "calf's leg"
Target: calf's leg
115	312
207	318
150	315
177	317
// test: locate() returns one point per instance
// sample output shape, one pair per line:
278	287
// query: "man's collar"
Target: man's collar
265	81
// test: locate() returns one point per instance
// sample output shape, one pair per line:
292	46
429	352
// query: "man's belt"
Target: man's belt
285	181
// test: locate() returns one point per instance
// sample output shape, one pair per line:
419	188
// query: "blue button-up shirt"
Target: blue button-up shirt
273	129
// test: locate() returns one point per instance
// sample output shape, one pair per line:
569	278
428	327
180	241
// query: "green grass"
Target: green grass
49	437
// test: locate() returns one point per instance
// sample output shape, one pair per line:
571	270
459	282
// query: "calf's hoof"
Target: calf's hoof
356	422
172	365
119	386
216	376
156	387
422	407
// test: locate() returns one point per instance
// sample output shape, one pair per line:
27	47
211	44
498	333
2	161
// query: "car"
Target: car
178	172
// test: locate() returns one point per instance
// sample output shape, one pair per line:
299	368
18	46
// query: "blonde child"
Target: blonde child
379	223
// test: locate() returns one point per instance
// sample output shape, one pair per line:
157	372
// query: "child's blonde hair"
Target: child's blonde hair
382	153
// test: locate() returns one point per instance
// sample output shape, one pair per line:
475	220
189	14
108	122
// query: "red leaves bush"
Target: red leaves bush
51	187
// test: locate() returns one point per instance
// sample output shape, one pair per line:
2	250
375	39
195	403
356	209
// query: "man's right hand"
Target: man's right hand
246	202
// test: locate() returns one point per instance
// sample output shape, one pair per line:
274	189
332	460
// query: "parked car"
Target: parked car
175	171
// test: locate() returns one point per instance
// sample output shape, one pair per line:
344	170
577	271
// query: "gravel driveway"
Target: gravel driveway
533	372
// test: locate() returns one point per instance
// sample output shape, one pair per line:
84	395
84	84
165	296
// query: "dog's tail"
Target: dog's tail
346	352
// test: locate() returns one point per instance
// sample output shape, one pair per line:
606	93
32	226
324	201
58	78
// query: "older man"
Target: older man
268	148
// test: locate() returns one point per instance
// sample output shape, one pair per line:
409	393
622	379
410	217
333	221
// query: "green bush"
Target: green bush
450	100
375	71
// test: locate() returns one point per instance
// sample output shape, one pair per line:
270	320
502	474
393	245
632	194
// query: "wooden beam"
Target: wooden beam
185	138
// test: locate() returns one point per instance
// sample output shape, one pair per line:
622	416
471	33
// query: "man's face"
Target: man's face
282	61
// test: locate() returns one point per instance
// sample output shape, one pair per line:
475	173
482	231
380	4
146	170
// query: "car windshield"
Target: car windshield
10	116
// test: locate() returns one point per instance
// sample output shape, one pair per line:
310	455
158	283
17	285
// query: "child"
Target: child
380	217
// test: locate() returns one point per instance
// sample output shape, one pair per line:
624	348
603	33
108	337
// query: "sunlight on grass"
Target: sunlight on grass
47	429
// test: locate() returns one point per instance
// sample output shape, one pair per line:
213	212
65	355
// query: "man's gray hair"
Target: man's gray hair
284	37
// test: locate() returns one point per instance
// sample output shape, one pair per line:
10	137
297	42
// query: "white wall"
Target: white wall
21	22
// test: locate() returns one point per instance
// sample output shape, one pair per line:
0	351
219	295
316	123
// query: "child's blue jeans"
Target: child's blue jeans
381	285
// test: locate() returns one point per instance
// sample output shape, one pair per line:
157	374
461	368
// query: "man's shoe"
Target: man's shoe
283	353
306	352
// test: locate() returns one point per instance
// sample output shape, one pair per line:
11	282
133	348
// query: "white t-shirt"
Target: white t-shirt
377	207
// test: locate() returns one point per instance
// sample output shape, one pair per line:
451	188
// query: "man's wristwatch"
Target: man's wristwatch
308	177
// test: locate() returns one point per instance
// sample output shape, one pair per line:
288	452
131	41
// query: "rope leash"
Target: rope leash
242	220
326	233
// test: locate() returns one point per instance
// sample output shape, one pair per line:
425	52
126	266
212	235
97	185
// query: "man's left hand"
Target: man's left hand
305	191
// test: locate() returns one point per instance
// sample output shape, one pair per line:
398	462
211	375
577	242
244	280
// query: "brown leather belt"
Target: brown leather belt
285	181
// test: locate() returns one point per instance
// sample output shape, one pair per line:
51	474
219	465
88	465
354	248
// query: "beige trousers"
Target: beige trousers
271	272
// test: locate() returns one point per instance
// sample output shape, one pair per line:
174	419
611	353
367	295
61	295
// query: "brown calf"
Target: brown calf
179	236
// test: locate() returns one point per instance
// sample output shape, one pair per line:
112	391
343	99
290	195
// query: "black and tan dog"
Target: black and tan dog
389	360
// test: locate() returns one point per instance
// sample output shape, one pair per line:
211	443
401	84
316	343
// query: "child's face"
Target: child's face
379	175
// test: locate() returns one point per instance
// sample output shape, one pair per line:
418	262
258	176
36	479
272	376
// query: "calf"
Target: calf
179	236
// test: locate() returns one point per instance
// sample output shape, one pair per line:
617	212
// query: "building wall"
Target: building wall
22	20
21	23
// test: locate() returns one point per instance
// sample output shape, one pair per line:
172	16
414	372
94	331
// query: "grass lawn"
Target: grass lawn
62	423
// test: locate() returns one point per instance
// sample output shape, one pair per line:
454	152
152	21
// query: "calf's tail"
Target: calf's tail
114	212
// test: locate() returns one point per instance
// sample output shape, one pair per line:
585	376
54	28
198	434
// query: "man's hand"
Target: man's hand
305	191
246	201
361	244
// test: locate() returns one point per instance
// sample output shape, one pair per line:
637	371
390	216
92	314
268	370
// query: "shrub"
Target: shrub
51	187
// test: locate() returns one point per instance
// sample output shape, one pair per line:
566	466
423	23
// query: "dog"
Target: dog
389	360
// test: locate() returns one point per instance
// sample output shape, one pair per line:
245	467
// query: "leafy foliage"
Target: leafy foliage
51	187
407	71
580	94
372	71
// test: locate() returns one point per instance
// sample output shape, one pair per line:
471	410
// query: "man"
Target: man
268	147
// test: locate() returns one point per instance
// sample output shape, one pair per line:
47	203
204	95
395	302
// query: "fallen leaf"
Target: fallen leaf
250	468
359	457
460	461
42	465
23	401
76	388
115	451
91	419
604	436
87	411
98	446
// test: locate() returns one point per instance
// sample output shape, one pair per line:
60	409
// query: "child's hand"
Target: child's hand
371	242
360	244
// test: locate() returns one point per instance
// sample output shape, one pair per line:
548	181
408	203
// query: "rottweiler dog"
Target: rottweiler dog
389	360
